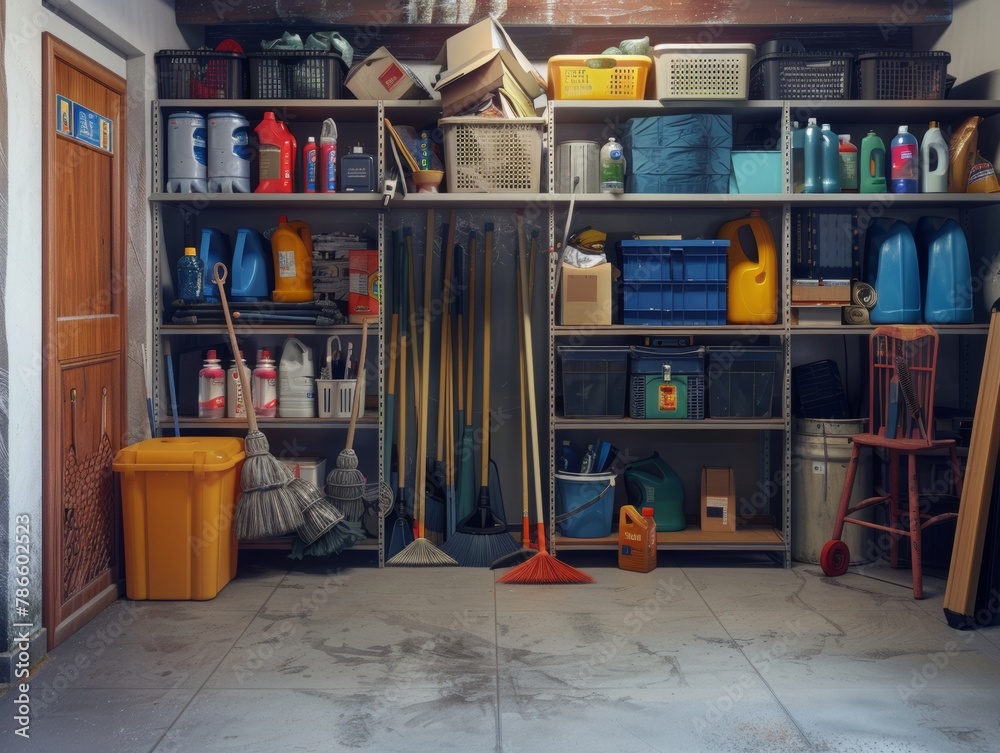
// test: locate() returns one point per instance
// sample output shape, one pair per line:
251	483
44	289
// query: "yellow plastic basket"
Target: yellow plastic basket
598	76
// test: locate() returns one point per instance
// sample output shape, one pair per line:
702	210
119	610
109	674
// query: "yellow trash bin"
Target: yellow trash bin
178	499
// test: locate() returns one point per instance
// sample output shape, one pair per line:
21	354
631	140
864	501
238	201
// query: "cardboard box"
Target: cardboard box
469	83
585	295
821	291
312	469
718	500
488	34
381	76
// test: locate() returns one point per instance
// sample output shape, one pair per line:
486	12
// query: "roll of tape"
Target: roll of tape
864	295
856	315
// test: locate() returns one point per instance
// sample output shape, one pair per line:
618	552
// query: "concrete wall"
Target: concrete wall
121	35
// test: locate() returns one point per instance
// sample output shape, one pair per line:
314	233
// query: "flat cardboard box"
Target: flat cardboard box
469	83
585	295
821	291
381	76
488	34
718	500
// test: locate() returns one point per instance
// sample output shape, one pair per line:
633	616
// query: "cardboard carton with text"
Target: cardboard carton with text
718	500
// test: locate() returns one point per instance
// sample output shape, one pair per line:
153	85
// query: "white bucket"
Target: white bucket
336	396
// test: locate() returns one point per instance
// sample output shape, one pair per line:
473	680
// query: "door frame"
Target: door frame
92	600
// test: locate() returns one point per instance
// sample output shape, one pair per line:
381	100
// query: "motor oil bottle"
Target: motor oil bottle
296	381
612	167
636	539
235	405
934	161
264	386
830	147
752	268
848	164
211	388
812	150
905	177
275	156
291	247
309	166
872	164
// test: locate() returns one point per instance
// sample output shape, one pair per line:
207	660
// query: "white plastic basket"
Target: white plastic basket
493	155
703	71
336	397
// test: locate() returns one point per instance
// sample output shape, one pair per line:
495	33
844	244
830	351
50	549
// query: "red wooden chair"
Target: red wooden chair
901	421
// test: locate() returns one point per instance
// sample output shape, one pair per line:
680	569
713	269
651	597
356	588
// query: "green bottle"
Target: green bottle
872	164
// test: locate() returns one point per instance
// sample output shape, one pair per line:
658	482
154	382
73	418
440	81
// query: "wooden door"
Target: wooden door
83	312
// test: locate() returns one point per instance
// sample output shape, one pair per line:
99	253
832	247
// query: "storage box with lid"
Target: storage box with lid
493	155
674	283
702	71
598	76
667	383
179	496
784	69
678	153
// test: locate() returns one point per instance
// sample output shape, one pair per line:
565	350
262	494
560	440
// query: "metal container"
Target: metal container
821	450
228	153
186	171
578	159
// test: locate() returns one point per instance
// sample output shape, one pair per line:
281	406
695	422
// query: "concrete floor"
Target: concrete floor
723	653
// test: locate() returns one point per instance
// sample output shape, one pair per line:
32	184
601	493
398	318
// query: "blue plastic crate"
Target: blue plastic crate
671	283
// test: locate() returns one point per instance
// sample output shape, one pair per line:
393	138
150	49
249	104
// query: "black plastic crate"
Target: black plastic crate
785	70
594	381
295	74
817	391
896	74
201	74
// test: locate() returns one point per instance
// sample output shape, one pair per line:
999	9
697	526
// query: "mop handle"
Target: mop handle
220	273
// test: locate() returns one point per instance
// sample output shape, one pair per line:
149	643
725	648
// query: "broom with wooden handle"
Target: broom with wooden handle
542	567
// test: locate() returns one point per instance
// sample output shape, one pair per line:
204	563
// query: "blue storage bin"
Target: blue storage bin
756	171
674	282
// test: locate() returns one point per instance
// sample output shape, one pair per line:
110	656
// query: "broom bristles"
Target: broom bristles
264	513
543	568
479	549
318	518
352	509
261	470
421	553
339	538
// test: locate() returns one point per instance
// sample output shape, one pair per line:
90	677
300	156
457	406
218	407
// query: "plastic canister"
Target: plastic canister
211	388
264	386
296	381
652	483
228	153
636	539
812	150
848	164
872	164
948	299
578	162
752	296
250	279
186	160
821	451
905	177
291	247
897	281
275	156
214	248
831	160
235	405
934	161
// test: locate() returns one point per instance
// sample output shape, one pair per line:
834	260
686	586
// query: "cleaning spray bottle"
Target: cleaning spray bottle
291	247
327	173
309	166
872	164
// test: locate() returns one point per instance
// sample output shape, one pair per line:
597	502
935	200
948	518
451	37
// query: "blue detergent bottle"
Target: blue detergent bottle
214	248
897	281
251	278
905	158
874	235
812	156
830	150
948	296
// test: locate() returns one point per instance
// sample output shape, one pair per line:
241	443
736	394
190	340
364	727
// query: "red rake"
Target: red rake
543	567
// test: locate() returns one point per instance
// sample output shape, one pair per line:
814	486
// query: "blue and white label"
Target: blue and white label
84	125
241	143
199	144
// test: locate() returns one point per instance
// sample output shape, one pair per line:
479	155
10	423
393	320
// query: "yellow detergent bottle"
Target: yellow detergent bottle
291	245
753	283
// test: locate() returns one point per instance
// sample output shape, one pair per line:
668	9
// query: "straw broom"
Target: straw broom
421	552
269	505
542	567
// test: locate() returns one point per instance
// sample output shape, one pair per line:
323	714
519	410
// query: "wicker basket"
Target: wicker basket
493	155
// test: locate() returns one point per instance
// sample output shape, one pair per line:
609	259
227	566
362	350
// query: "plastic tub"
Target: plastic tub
598	76
594	381
703	71
178	499
742	381
584	504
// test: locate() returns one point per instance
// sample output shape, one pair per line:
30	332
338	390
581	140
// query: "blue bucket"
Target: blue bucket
584	504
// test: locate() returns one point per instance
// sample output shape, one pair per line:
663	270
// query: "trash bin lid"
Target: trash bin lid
180	454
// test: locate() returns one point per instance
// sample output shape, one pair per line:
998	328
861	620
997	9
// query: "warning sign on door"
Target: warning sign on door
85	125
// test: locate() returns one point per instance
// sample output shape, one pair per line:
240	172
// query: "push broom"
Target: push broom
481	537
543	567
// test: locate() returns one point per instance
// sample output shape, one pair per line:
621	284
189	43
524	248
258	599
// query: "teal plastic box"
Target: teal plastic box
756	171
